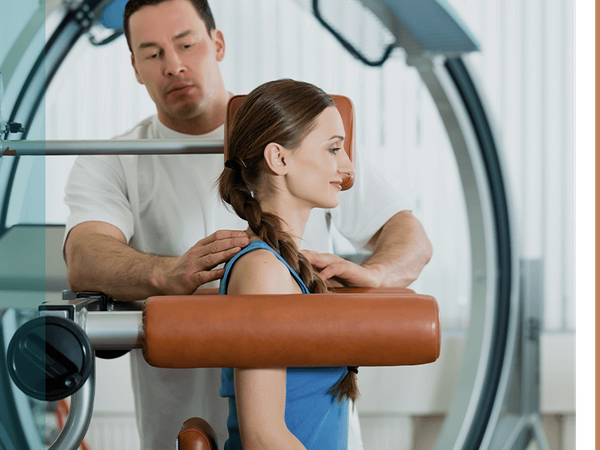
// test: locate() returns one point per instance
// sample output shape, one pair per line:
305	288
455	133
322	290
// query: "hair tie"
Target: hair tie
353	369
234	164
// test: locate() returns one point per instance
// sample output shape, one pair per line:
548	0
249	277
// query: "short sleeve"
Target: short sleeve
97	191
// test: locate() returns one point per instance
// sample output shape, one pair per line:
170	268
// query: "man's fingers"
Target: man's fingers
220	236
349	274
207	276
210	260
320	260
203	247
332	270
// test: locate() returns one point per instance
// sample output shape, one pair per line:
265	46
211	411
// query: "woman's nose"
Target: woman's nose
345	167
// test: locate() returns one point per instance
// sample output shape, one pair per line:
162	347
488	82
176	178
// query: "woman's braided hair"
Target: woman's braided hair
283	112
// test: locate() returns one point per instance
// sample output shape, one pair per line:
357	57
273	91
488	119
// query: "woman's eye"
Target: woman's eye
334	150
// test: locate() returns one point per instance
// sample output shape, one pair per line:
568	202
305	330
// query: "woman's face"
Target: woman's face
319	164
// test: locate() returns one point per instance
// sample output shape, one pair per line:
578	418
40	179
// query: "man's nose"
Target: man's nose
173	64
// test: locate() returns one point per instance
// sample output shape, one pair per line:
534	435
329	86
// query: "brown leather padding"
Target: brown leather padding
296	330
344	106
197	434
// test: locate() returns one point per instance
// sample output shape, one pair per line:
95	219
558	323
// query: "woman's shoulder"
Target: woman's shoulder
261	272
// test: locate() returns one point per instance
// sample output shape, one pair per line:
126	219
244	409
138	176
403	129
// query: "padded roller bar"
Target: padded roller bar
364	329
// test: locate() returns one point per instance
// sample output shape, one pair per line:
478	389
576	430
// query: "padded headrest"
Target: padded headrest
344	106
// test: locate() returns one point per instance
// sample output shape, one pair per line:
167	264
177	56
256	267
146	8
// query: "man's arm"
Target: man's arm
400	251
99	259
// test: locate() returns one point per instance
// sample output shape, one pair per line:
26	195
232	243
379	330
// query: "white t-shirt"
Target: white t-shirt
164	204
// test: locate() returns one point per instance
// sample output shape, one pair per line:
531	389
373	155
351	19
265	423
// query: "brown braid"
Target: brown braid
284	112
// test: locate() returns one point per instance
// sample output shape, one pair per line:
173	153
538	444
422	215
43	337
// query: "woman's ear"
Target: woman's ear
275	156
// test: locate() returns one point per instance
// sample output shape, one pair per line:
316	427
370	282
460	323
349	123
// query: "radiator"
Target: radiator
113	432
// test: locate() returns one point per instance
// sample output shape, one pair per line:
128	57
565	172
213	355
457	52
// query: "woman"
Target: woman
285	158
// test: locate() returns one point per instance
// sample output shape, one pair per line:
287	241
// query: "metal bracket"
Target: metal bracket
523	423
73	304
7	127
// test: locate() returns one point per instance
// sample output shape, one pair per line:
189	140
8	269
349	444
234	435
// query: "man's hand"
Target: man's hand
337	271
99	259
183	275
400	251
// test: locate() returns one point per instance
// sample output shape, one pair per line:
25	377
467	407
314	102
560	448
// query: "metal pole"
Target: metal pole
111	147
120	330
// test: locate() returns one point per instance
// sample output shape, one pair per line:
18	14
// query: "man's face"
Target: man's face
176	59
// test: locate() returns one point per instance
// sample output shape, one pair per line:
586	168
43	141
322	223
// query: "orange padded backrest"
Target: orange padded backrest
344	106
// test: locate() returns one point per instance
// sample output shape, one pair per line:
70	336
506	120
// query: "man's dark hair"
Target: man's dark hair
134	5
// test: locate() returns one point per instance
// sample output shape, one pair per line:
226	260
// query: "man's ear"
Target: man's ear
219	41
137	75
275	156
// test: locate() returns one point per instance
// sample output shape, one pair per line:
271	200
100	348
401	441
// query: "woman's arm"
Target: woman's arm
260	393
260	400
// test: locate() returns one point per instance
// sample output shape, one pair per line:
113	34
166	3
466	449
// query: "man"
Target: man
126	210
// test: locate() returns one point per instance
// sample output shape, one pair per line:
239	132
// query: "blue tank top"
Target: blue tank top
311	412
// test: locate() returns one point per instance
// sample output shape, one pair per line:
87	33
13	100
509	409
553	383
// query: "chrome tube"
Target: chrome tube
80	414
112	330
111	146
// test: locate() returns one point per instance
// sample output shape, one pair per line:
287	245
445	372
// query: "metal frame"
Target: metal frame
494	294
107	329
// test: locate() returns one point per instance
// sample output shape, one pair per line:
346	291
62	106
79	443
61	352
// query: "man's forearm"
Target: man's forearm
99	259
400	250
98	262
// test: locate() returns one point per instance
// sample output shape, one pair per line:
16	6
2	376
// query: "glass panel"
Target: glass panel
14	18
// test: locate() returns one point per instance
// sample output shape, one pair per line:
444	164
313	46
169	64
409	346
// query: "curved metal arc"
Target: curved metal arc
46	65
80	415
23	41
33	88
495	296
474	365
506	307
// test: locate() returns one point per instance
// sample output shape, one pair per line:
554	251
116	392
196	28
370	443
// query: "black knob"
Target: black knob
49	358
